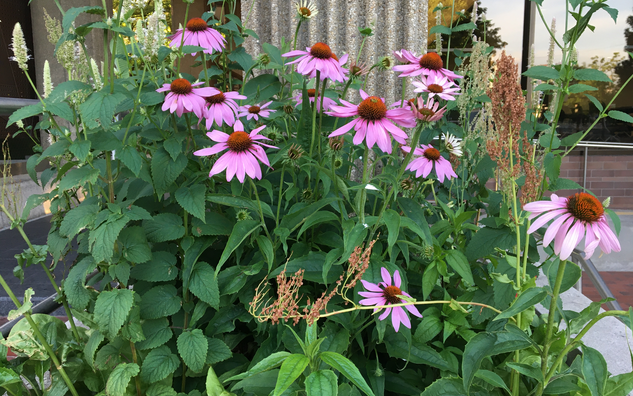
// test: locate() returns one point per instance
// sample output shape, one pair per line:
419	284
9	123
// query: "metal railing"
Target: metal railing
9	105
587	265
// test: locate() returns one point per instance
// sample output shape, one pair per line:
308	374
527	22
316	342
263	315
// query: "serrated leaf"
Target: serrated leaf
111	310
160	268
25	112
78	177
75	283
78	218
157	332
525	300
103	237
80	148
476	350
577	88
160	301
164	227
459	263
130	158
165	170
322	383
591	75
241	231
91	346
120	377
542	73
594	369
26	306
134	245
217	351
192	199
203	283
192	347
621	116
215	224
158	365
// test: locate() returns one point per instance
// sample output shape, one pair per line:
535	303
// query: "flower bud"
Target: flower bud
20	51
48	84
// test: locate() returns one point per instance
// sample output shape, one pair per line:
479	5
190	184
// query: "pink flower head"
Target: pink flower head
184	98
428	157
429	64
242	155
576	216
427	111
221	108
319	57
439	86
374	121
198	33
327	102
386	293
255	111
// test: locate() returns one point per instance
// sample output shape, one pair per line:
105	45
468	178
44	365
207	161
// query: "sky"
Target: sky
607	38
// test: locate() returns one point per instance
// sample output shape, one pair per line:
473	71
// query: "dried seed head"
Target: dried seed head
336	143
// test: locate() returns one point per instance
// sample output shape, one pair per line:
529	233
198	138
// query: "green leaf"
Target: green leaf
65	89
392	221
91	346
111	310
595	102
72	13
459	263
134	245
552	164
464	26
445	387
542	73
577	88
564	184
487	239
120	377
527	370
546	87
78	218
615	219
165	170
492	378
240	56
55	149
158	365
619	385
30	167
78	177
527	299
270	362
322	383
160	268
157	332
160	301
80	148
164	390
204	284
26	306
292	220
241	231
348	369
570	277
213	385
594	369
242	203
217	351
591	75
429	327
414	211
292	367
25	112
618	115
440	29
131	158
266	247
74	285
262	87
173	147
317	218
164	227
192	199
102	238
476	350
192	347
215	224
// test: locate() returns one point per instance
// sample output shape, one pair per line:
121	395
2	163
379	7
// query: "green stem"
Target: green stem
40	337
259	206
314	111
281	189
137	379
404	90
294	47
448	51
182	41
363	191
362	44
321	115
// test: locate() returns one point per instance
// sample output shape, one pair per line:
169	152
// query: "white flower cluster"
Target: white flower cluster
552	44
153	36
48	84
20	51
438	35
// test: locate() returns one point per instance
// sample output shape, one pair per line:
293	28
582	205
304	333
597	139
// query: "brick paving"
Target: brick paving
620	284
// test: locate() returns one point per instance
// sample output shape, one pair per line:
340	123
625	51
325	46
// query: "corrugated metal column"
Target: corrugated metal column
397	24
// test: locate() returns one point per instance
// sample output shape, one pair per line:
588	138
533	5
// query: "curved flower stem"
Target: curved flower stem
335	182
321	113
40	337
448	50
314	111
292	71
259	205
182	38
404	90
204	65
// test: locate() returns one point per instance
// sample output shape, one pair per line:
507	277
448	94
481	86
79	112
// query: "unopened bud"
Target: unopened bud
606	202
336	143
48	84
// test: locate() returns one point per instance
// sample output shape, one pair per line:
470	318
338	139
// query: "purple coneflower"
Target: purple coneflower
427	111
198	33
319	57
242	155
576	216
374	121
221	108
385	293
255	111
439	86
184	98
327	102
428	157
429	64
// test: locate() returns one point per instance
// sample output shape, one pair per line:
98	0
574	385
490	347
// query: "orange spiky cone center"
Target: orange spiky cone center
239	141
372	108
585	207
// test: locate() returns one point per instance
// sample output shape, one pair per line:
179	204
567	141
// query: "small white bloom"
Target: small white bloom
48	84
365	225
606	202
98	84
371	187
306	9
20	124
452	144
20	51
